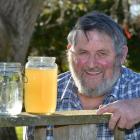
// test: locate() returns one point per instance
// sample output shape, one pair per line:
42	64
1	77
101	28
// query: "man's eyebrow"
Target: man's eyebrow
103	50
81	49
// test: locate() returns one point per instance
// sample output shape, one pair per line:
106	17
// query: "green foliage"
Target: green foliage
134	56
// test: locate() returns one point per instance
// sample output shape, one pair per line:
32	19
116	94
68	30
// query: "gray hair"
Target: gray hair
101	23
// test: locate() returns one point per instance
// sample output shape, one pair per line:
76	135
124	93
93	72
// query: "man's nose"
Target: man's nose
92	62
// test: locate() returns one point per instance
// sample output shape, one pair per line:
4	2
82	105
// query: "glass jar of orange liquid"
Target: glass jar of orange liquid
40	85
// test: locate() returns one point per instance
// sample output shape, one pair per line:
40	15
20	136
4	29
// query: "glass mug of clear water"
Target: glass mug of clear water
11	88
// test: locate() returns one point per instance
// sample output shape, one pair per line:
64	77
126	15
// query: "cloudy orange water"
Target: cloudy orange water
40	90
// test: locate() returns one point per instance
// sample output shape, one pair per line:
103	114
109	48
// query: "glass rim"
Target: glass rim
41	57
10	64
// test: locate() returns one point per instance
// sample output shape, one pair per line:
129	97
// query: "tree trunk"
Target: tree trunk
17	20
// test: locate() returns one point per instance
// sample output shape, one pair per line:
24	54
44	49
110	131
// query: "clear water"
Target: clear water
11	98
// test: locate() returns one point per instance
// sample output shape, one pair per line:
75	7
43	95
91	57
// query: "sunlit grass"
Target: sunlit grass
19	131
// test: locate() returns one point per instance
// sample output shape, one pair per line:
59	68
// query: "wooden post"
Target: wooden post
40	133
75	132
118	134
82	132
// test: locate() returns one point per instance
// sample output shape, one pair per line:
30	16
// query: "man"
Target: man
97	48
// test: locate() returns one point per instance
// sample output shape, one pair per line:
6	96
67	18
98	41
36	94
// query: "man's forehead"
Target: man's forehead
81	35
85	37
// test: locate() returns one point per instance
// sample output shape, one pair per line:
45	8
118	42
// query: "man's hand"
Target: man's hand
125	113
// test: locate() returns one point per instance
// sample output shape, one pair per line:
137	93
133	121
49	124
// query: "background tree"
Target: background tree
17	19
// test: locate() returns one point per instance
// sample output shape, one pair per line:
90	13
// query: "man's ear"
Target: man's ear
69	46
124	54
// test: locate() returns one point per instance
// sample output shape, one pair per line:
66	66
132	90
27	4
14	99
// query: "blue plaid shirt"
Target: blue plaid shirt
126	87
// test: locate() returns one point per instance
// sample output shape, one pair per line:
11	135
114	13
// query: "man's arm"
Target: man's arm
125	113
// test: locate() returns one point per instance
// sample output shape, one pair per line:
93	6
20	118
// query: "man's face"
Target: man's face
93	63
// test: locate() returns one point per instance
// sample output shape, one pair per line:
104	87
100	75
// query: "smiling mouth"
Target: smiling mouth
93	73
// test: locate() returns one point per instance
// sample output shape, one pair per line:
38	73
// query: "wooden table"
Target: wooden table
66	122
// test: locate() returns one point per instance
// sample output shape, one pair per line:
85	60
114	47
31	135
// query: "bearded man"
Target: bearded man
97	50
